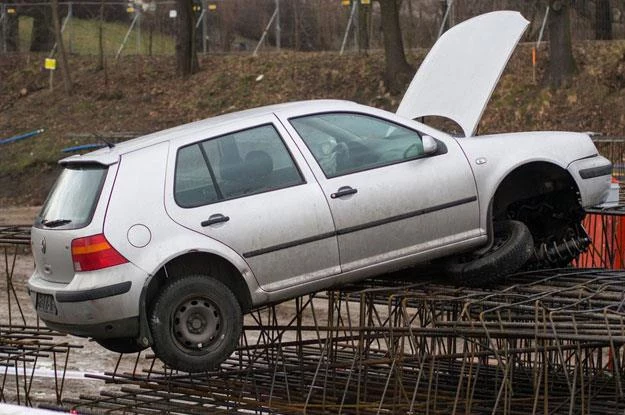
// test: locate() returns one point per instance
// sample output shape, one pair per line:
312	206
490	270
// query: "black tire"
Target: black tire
512	247
196	323
121	345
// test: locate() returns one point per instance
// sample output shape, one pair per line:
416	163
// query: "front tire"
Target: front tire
512	248
196	323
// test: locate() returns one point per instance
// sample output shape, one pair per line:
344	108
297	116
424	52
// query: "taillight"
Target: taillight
94	252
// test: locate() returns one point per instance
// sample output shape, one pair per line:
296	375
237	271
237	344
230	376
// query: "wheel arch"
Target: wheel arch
524	181
530	180
193	262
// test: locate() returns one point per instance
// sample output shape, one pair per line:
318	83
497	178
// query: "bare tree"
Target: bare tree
561	63
186	48
42	36
101	38
603	20
397	72
9	35
67	81
364	20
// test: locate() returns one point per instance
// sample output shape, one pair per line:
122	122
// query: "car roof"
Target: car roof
111	155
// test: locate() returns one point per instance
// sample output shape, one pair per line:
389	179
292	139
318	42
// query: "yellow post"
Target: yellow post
534	63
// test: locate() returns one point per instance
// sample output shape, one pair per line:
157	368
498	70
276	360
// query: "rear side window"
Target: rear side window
73	198
243	163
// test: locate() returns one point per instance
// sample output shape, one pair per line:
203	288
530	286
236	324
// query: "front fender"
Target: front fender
493	157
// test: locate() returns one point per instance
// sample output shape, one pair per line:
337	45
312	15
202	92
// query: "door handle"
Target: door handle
344	191
213	219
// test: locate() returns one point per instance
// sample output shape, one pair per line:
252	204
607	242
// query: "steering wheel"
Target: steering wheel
341	151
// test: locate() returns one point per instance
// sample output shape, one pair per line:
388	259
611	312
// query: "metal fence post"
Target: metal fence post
264	35
121	47
349	25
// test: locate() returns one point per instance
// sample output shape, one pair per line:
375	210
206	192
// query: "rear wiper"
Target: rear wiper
54	223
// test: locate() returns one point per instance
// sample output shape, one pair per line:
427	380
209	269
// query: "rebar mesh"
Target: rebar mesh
547	342
25	345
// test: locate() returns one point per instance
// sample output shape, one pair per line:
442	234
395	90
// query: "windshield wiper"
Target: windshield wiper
54	223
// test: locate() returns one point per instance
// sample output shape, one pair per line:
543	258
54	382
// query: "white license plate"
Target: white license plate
45	303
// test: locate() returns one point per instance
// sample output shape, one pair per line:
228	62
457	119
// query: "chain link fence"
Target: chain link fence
224	26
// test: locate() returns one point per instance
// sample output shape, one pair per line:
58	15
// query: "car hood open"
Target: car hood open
459	74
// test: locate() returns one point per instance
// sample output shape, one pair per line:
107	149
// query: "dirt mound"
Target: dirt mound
139	94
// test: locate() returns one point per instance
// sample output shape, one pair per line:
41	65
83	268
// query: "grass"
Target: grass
81	37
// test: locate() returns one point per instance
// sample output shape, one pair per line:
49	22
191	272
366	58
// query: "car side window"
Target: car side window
345	143
193	185
233	165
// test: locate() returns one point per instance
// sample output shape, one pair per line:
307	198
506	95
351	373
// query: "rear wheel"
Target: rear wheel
196	323
511	248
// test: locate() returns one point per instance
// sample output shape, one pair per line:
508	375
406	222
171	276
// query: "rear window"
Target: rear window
73	198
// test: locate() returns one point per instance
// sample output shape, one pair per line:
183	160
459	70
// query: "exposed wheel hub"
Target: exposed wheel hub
196	323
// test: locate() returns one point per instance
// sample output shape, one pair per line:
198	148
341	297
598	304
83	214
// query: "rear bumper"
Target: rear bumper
99	304
94	294
128	327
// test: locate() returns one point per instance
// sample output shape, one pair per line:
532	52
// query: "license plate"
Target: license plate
45	304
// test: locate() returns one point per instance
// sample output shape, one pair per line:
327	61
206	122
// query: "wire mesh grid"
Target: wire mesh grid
548	342
25	345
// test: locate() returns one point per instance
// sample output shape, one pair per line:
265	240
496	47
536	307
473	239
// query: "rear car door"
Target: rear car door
389	200
251	190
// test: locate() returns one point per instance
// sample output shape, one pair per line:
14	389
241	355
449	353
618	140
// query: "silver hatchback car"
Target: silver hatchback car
166	240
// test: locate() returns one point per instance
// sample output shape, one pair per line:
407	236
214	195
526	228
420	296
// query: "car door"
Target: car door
251	190
388	199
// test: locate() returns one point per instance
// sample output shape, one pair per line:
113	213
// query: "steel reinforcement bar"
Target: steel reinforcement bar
543	342
25	344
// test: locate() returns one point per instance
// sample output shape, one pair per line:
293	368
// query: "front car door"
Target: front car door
252	190
388	199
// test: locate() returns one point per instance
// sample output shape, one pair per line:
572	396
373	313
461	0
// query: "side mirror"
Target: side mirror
429	145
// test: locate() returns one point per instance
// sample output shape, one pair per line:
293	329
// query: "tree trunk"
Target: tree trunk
42	37
561	63
12	39
186	54
67	81
296	26
397	72
364	14
101	38
603	20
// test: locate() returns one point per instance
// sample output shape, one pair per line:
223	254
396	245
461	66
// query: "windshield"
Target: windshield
73	198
